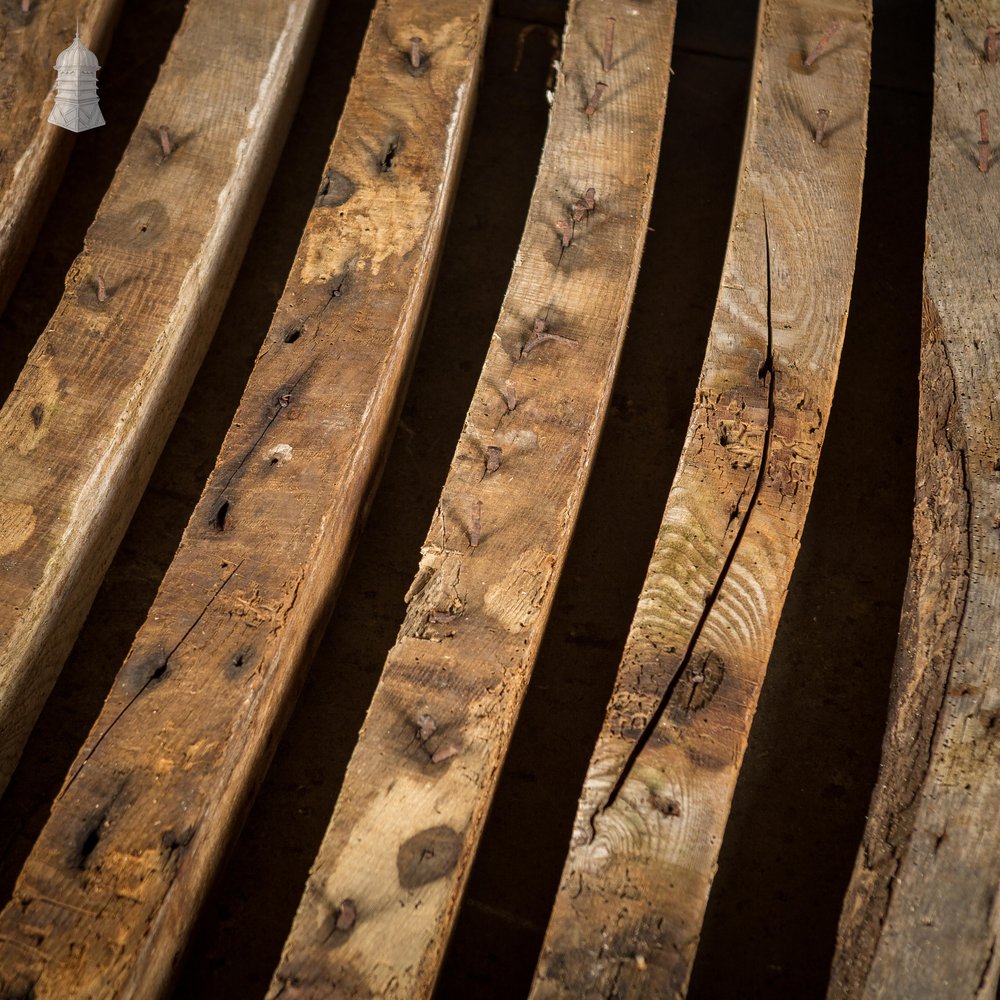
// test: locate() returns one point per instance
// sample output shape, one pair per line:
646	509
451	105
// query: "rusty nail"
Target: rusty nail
102	291
990	45
565	228
426	727
820	47
347	913
165	143
595	99
584	204
510	396
609	42
984	141
494	456
540	335
476	528
25	6
415	51
822	117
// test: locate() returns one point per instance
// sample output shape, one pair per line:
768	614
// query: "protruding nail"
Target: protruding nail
990	45
984	140
584	204
510	396
415	51
102	291
540	335
443	753
821	46
165	144
595	99
426	727
25	6
476	528
822	117
565	230
494	456
609	44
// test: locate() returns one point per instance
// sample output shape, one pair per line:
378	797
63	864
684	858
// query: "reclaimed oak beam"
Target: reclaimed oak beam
33	153
921	915
113	886
657	795
382	895
95	402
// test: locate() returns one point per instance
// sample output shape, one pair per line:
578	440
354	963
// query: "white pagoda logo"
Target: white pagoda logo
76	106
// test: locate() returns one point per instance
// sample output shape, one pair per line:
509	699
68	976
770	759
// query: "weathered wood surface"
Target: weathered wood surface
921	916
33	153
382	895
656	799
90	412
117	877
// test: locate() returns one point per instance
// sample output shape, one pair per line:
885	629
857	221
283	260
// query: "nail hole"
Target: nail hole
386	163
158	672
292	336
220	516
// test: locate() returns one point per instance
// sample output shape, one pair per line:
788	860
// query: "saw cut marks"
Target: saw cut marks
381	899
921	916
33	154
118	875
101	388
656	799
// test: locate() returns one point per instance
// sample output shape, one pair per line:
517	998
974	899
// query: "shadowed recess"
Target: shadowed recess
802	797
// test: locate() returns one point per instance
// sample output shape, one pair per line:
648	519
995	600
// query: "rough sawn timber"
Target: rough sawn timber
101	389
382	896
922	913
650	822
116	879
33	153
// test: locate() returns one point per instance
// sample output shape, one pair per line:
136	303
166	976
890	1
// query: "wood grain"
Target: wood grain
382	895
33	154
96	400
116	880
921	916
654	807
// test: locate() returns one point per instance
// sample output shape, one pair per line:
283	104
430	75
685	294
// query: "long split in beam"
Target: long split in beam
99	394
381	898
114	884
656	799
33	153
922	913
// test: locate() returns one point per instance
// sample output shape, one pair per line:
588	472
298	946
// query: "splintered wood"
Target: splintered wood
921	917
33	154
112	888
656	800
415	796
90	412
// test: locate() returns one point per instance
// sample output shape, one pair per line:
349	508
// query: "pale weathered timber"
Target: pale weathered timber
645	844
33	153
102	386
116	879
383	892
921	916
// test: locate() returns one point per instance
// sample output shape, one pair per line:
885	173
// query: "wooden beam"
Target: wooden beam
116	879
93	407
382	895
33	153
921	916
656	799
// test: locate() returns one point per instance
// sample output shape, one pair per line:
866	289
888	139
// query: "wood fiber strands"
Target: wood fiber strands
657	795
99	394
111	890
922	913
33	154
383	893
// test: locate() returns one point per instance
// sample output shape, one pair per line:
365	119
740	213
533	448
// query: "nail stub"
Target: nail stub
822	117
595	99
609	44
823	44
415	51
